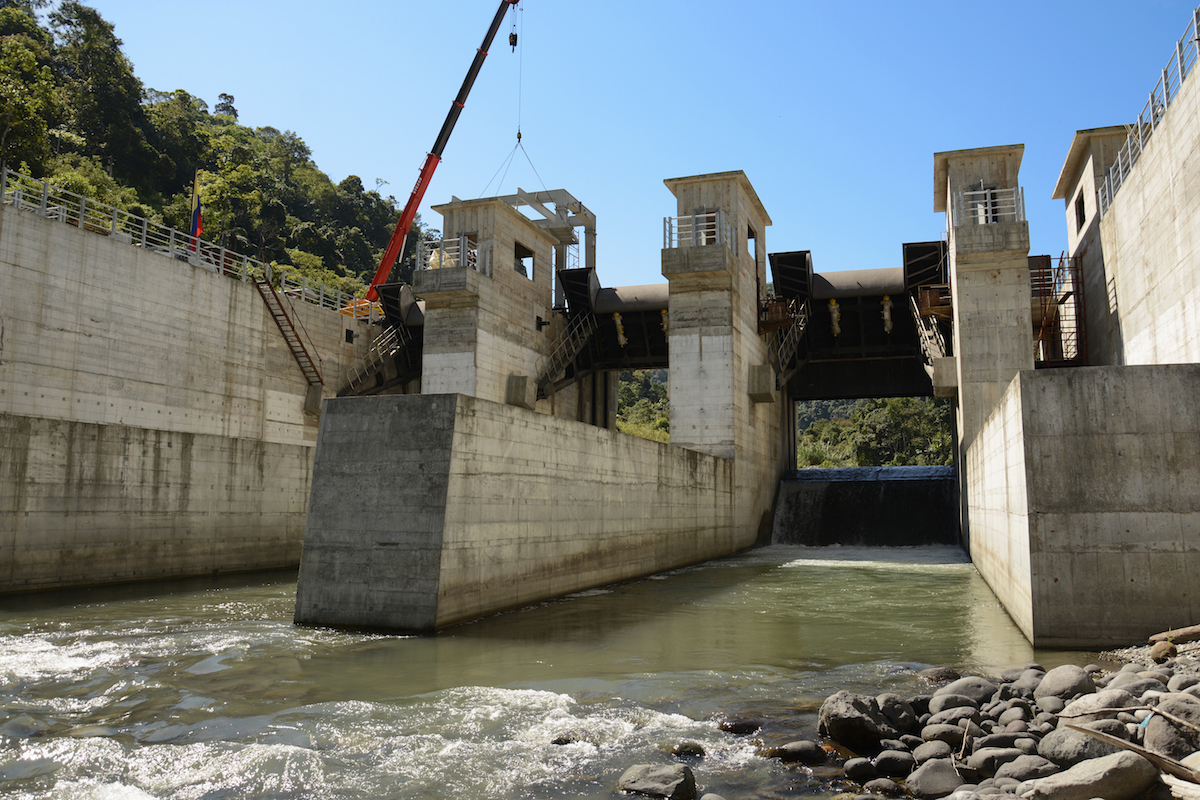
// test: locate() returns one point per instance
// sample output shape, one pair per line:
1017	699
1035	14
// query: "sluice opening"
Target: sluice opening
870	472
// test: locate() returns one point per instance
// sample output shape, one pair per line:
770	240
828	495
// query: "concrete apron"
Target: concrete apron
428	510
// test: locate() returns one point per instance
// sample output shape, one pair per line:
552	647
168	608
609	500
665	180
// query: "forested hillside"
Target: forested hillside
73	112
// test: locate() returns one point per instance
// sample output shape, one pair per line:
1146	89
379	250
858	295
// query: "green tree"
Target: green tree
105	98
27	98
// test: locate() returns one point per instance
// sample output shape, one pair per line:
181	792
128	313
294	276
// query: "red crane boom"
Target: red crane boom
400	234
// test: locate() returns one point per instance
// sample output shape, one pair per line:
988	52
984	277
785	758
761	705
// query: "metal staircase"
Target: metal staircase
933	345
293	336
569	344
389	342
783	344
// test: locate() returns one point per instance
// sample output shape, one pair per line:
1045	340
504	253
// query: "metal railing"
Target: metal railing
933	344
1180	66
461	252
30	194
989	206
1062	329
697	230
570	342
386	344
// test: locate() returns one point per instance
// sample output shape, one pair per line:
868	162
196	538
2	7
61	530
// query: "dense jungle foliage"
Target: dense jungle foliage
73	112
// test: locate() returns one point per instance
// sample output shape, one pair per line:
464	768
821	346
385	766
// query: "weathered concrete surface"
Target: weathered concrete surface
870	506
1084	496
1151	244
151	416
452	507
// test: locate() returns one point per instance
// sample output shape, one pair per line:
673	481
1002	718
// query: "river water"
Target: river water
206	690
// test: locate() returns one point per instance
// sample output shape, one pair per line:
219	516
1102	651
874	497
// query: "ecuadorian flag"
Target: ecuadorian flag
197	221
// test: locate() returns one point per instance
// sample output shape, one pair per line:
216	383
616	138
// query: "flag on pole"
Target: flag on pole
197	221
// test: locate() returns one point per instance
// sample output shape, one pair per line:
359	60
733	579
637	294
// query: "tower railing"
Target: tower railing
698	230
1179	67
989	206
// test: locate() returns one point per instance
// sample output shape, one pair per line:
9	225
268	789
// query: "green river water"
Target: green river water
205	689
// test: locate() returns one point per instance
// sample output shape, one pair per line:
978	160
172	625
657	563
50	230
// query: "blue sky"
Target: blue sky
833	110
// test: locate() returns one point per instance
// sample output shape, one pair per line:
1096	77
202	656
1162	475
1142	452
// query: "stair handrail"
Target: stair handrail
568	345
784	341
384	345
933	344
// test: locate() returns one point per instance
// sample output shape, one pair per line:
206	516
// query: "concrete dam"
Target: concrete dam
167	411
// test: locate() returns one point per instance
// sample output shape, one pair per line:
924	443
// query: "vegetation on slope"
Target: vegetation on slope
73	112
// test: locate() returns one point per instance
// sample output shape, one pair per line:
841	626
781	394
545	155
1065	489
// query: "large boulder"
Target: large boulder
1067	748
943	702
1065	682
986	760
1120	776
1169	738
935	778
854	720
1089	707
673	781
978	689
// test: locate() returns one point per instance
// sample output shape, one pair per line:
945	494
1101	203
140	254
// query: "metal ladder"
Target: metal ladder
386	344
781	347
572	340
291	335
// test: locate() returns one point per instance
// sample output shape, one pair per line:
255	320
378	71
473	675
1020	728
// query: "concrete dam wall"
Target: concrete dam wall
868	506
151	416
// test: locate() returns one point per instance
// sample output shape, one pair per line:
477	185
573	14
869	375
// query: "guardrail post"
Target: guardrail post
114	220
45	197
171	241
82	210
3	183
145	227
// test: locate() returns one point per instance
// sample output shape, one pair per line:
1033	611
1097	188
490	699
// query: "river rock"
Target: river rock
799	752
899	712
1065	682
1180	682
978	689
895	763
1024	686
884	786
986	760
673	781
1014	714
1161	651
854	721
1027	767
1051	705
933	749
1137	686
1120	776
941	702
951	716
1067	748
860	770
741	726
939	674
950	734
935	778
1088	707
1170	738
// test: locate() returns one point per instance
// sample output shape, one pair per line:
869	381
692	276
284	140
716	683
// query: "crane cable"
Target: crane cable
506	164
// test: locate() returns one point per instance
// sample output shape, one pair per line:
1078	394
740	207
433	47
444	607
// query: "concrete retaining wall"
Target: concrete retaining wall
871	506
1084	492
151	417
452	507
1151	240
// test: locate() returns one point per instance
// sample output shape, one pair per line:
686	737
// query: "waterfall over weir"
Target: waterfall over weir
867	506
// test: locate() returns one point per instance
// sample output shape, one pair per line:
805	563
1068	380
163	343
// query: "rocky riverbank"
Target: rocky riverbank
1070	733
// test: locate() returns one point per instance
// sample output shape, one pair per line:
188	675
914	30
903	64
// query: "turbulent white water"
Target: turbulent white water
189	691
